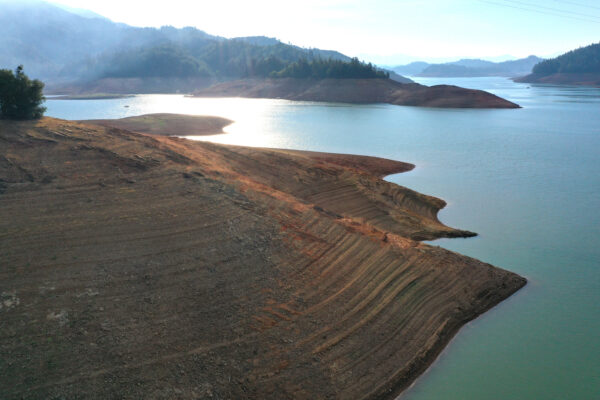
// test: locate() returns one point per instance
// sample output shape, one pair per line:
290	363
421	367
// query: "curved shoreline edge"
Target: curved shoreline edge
445	339
157	266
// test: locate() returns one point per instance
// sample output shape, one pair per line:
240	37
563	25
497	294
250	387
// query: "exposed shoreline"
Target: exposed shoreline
167	124
359	91
566	79
281	273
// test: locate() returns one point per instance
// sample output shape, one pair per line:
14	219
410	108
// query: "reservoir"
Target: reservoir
527	180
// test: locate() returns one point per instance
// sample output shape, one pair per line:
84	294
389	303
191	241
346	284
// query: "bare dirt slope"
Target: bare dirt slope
143	267
358	91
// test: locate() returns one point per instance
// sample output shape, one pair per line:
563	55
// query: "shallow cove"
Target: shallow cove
526	180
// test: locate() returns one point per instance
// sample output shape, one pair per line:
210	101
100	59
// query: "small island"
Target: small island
140	265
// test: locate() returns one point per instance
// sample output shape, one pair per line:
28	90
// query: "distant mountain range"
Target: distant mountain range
577	67
61	44
469	68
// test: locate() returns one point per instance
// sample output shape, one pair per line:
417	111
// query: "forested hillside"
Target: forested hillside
57	45
577	67
323	69
583	60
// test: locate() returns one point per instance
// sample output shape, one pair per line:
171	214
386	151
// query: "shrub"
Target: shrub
20	97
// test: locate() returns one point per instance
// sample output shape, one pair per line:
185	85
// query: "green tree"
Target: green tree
20	97
335	69
582	60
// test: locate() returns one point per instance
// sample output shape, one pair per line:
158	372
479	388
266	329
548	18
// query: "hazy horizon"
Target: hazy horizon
382	31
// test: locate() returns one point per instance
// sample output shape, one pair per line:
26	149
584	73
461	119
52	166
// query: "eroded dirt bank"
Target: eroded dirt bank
136	266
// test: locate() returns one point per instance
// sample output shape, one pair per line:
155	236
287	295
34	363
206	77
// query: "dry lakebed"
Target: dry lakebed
135	265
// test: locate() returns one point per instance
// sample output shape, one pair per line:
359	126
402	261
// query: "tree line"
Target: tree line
337	69
582	60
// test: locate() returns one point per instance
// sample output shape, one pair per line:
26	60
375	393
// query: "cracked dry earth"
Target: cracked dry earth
135	266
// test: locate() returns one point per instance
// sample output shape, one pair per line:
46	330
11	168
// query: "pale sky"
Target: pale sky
382	31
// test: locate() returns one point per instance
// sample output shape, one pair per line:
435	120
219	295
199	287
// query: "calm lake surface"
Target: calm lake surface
527	180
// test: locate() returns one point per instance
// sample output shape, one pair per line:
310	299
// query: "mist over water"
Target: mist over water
527	180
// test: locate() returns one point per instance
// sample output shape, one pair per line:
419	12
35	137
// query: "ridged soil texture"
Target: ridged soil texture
136	266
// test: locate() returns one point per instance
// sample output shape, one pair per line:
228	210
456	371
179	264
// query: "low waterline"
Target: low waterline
527	180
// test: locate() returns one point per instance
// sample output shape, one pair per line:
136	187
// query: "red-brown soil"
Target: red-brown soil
358	91
150	267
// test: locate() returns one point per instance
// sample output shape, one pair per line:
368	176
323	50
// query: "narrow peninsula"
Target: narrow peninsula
144	266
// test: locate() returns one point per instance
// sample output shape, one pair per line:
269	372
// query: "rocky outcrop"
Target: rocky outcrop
358	91
137	266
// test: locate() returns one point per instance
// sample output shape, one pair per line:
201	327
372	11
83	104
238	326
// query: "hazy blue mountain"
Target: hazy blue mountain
470	68
63	44
412	69
473	63
53	43
45	38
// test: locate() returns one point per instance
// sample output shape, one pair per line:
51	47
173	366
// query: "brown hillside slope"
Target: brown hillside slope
134	267
358	91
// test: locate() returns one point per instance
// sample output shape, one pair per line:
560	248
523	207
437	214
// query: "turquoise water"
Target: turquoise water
527	180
